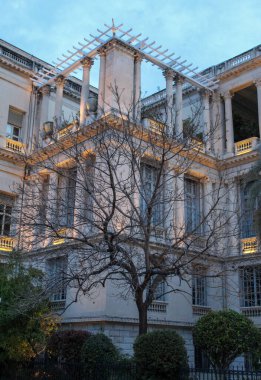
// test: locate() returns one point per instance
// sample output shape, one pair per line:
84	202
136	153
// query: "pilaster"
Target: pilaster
101	95
137	88
206	120
179	80
258	88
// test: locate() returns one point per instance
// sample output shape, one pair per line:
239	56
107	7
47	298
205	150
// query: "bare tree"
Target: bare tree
111	196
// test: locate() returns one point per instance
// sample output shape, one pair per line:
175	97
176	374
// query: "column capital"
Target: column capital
179	79
138	57
45	90
102	51
205	93
87	62
169	74
60	81
257	82
227	95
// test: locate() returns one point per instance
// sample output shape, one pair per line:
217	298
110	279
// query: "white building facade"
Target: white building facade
223	107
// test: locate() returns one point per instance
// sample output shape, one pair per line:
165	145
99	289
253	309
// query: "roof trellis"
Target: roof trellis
152	53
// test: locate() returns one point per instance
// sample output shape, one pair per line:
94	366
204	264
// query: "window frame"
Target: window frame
19	126
193	209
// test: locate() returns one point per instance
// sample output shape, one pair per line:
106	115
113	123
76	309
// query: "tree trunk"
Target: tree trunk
143	319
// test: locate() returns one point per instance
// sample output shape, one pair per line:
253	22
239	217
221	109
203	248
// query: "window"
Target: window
248	211
43	203
250	281
5	215
66	197
199	290
159	294
192	205
149	177
57	275
14	124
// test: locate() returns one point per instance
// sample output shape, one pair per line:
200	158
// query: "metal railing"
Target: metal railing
212	374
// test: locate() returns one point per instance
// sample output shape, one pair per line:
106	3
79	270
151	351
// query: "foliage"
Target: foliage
66	345
25	319
98	350
160	355
225	335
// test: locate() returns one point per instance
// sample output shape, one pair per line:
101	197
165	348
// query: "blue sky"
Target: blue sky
204	32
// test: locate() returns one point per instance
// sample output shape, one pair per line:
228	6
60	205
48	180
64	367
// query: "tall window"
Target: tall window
149	176
57	278
250	281
192	205
66	197
159	294
199	290
14	124
43	203
5	215
248	210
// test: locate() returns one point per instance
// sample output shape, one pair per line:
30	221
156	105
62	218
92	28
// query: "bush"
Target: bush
160	355
99	349
225	335
66	345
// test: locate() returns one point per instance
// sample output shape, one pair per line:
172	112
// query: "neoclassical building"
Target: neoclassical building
214	115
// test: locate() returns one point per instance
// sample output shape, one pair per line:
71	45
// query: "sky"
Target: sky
205	32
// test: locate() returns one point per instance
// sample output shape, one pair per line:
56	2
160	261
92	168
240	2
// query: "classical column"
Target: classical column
229	122
137	88
179	80
59	82
169	76
101	95
206	121
258	88
86	66
217	124
44	112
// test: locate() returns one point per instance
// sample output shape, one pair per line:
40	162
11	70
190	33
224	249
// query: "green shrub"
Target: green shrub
224	335
98	349
66	345
160	355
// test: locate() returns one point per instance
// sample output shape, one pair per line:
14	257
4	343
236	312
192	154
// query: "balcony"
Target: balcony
251	311
15	146
158	307
249	245
200	310
154	125
246	146
6	243
62	234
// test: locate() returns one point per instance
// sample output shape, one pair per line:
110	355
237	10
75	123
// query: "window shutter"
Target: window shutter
15	117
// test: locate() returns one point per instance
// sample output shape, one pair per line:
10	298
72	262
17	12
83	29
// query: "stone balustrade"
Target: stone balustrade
249	245
158	307
15	146
253	311
200	310
6	243
246	146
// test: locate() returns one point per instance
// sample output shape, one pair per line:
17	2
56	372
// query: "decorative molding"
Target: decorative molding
87	62
45	90
60	81
169	74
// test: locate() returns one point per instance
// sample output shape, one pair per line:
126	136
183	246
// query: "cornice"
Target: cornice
14	158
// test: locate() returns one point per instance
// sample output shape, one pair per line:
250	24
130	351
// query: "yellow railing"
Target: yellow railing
249	245
6	243
245	146
15	146
66	130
